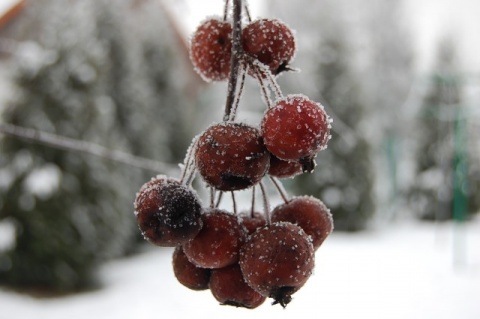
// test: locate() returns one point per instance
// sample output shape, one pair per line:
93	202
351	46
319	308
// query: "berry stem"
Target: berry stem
212	197
234	203
247	12
275	86
235	60
264	89
225	12
219	199
280	189
252	211
233	112
266	204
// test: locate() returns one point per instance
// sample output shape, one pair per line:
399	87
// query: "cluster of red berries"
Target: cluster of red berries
243	258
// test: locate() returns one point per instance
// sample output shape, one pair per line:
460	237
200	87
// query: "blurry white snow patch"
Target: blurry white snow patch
44	181
7	235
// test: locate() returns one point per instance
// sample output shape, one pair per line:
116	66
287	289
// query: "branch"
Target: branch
235	59
69	144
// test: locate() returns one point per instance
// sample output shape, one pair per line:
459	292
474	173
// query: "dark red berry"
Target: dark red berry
284	169
210	49
271	42
296	128
252	222
188	274
229	288
168	213
218	244
231	156
277	260
310	214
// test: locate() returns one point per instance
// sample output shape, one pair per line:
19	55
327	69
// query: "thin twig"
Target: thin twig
247	12
235	60
70	144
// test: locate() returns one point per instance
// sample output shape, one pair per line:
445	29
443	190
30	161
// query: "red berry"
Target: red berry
271	42
310	214
284	169
168	213
296	128
229	288
231	156
188	274
218	243
252	222
210	49
277	260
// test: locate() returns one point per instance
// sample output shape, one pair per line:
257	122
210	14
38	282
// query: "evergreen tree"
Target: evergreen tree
440	150
98	77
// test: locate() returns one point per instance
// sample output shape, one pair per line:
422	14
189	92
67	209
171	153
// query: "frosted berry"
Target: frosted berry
271	42
188	274
231	156
229	288
252	222
310	214
218	243
295	129
284	169
168	213
277	260
210	49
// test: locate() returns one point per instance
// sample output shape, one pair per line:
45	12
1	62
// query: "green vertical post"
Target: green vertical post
460	185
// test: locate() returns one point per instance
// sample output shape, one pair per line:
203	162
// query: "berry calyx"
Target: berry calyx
218	244
271	42
310	214
188	274
277	260
229	288
231	156
210	49
168	213
296	128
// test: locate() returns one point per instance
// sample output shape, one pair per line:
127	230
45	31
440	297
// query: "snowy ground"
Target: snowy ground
406	271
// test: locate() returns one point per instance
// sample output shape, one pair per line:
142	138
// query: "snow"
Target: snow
406	271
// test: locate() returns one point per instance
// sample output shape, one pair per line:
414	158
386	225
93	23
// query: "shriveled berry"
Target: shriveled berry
252	222
296	128
188	274
218	244
284	169
231	156
271	42
277	260
310	214
168	213
229	288
210	49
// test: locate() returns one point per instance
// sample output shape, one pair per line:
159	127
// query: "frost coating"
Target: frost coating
277	260
167	212
271	42
210	49
231	156
295	128
218	244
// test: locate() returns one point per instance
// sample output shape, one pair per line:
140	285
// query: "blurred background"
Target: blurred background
401	175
